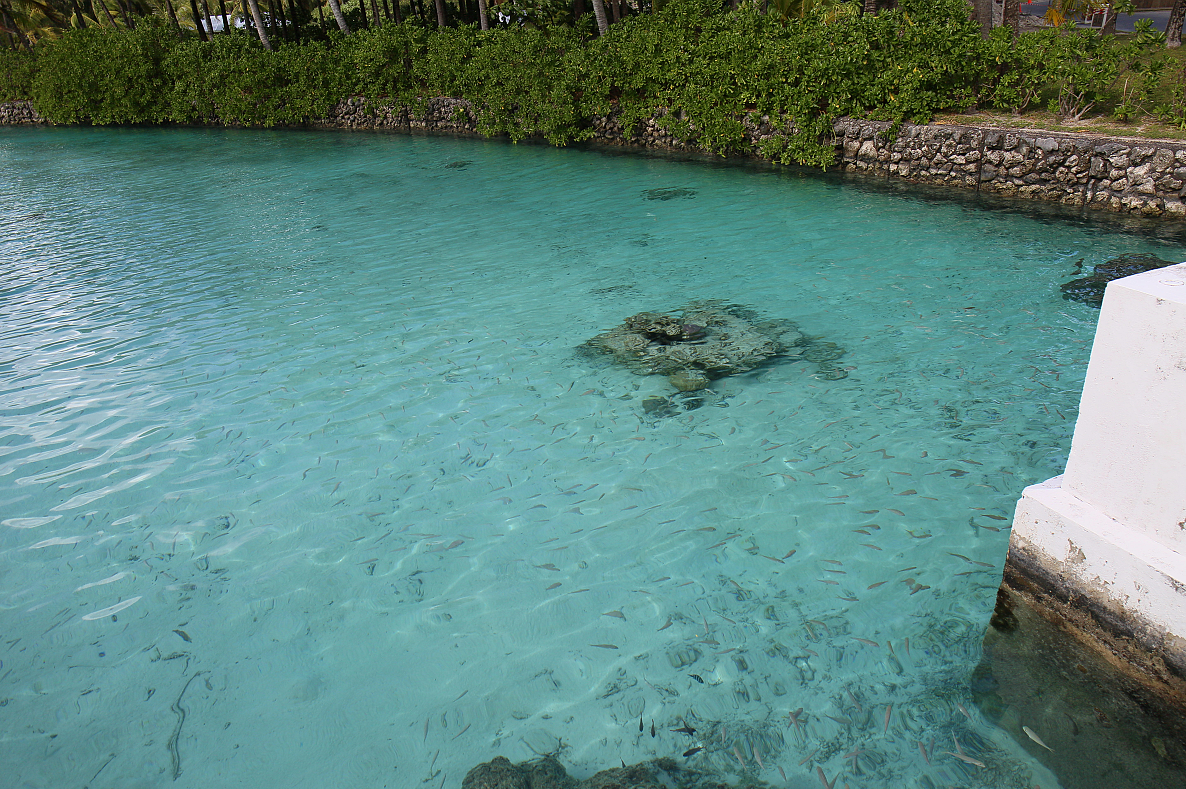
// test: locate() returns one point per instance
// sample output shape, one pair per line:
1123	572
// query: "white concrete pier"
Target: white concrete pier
1103	547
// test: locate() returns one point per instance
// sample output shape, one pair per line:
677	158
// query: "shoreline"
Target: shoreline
1137	176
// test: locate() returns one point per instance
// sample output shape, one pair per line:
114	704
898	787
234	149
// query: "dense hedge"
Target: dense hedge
708	67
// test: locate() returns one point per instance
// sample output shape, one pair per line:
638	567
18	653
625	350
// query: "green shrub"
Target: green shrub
235	80
102	75
16	74
707	70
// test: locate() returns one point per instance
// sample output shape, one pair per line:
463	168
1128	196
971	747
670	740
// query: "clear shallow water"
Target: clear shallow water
302	482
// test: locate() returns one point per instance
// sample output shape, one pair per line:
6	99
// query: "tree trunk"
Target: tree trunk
10	24
78	10
193	9
292	15
339	17
285	30
870	7
599	12
173	16
396	11
982	14
483	18
107	11
1109	27
375	13
123	11
226	22
206	15
1173	31
1012	17
440	13
259	24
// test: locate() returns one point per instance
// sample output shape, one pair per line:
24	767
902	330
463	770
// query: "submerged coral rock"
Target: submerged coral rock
547	773
499	773
689	380
709	340
1090	290
701	342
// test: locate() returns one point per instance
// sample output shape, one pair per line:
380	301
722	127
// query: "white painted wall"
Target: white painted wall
1128	457
1114	526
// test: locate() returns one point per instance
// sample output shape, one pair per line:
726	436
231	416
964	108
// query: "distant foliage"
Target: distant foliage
233	79
16	74
705	71
103	75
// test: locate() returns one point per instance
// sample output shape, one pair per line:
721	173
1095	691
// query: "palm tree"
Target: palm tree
599	12
339	17
482	14
1173	31
259	24
1012	17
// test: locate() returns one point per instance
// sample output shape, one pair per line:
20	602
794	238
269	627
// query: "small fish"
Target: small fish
640	727
821	624
874	586
888	711
963	710
896	512
965	758
807	758
618	614
184	636
553	586
740	759
693	751
653	728
923	751
667	625
866	641
1030	733
685	729
780	772
790	553
697	677
823	779
605	646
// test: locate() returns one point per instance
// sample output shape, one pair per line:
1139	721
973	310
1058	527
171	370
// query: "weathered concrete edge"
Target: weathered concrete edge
1125	175
1137	648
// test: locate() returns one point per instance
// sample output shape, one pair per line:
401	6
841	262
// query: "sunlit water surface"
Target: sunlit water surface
303	482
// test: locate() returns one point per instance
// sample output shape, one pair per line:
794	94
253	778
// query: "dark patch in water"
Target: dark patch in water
670	193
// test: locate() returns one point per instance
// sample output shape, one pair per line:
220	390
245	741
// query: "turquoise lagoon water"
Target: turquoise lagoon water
303	481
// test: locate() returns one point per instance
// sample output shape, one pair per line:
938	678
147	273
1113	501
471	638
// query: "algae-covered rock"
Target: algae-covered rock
704	340
708	340
1090	290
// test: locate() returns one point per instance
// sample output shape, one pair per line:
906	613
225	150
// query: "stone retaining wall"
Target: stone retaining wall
13	113
1146	177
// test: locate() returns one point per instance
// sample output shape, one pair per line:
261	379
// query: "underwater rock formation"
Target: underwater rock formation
708	340
547	773
1090	290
